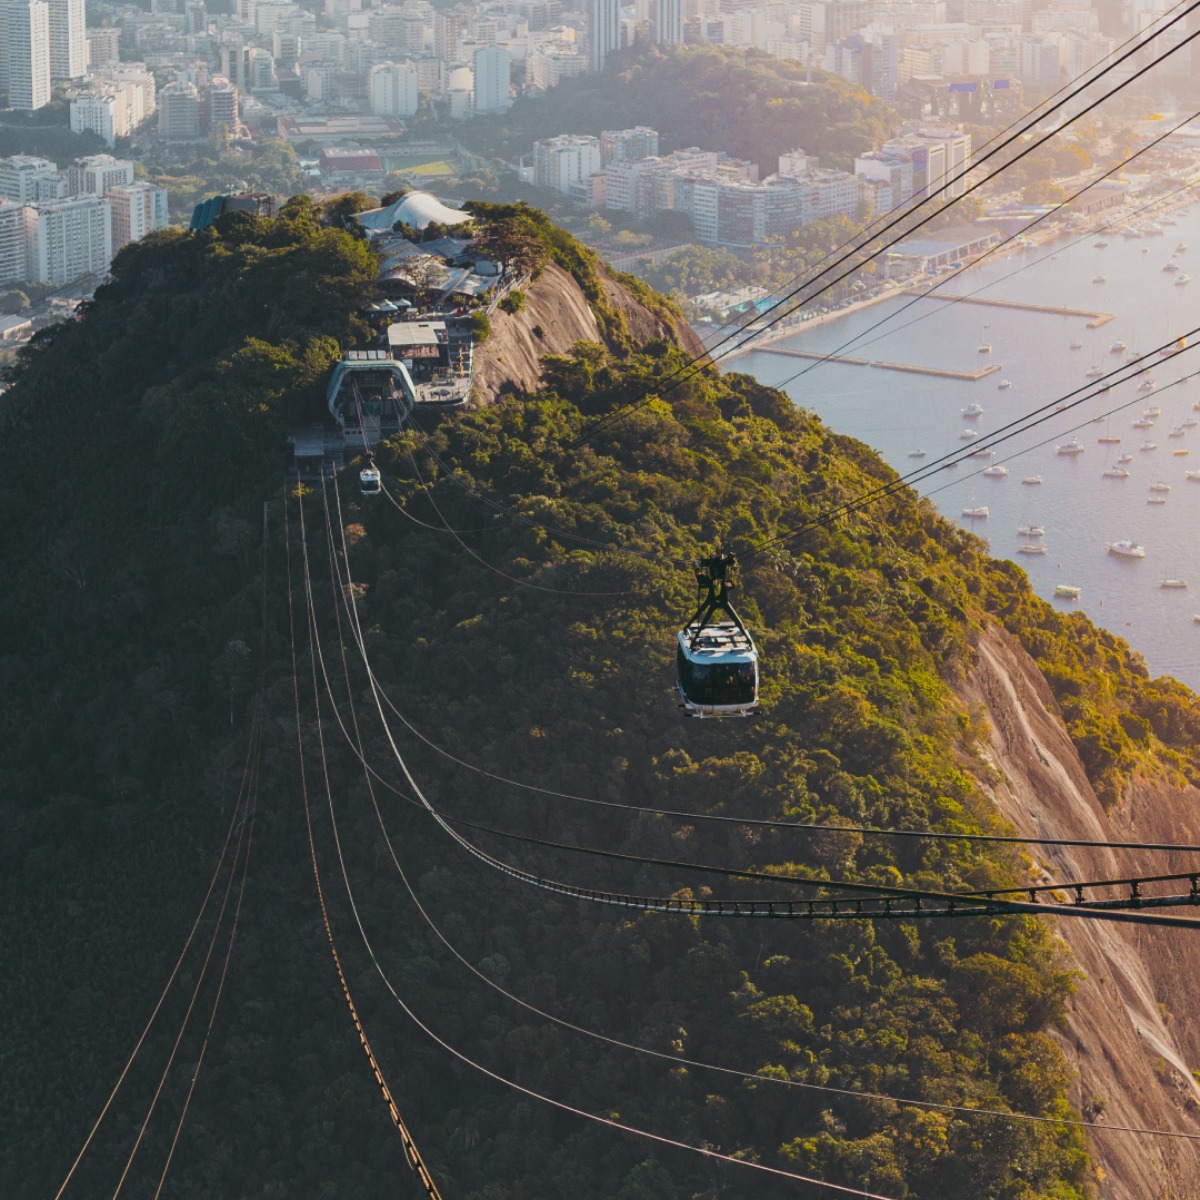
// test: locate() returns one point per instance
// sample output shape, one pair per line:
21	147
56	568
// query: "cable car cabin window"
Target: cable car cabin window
717	683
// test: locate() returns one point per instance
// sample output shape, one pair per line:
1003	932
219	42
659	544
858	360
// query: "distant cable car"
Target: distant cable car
716	660
368	478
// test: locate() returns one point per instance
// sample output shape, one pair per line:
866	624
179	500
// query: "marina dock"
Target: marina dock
910	368
1094	319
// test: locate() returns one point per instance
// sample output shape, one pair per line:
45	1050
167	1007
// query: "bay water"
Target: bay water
1081	511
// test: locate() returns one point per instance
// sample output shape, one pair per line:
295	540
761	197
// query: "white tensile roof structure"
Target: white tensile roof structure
416	209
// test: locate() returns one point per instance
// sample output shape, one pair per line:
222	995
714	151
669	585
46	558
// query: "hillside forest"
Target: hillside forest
176	617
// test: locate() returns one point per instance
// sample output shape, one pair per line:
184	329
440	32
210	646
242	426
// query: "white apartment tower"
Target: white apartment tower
19	175
223	105
604	30
94	175
668	22
16	234
28	55
71	238
68	40
561	161
99	112
447	36
394	89
104	46
179	112
137	209
628	145
492	67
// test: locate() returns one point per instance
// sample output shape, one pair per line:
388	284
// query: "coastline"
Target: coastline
918	284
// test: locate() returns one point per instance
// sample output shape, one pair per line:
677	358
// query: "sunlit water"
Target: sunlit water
1080	510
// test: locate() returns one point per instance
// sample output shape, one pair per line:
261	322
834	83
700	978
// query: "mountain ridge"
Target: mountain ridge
545	655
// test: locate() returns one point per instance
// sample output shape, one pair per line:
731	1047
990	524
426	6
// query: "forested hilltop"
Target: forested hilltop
744	103
142	442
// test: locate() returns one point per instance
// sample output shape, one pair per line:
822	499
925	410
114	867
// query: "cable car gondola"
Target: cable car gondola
368	479
716	660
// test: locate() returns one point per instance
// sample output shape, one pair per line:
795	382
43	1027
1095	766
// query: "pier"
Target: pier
1094	319
910	368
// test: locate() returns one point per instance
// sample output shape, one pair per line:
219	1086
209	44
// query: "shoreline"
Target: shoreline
919	285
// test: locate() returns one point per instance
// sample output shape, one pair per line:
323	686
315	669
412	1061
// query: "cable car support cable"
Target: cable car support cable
950	904
411	1153
370	775
563	1106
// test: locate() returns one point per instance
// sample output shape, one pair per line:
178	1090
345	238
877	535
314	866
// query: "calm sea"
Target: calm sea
1080	510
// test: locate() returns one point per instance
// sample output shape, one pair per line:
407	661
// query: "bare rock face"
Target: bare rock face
1132	1034
556	316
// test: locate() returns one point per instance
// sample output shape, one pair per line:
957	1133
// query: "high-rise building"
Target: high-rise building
548	63
285	48
394	89
447	36
823	22
99	112
104	46
135	87
940	159
223	105
492	70
179	112
668	22
397	29
628	145
28	55
16	236
96	174
71	238
604	30
137	209
261	70
559	162
19	175
68	40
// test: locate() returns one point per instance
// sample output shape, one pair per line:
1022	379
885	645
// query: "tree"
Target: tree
512	244
597	226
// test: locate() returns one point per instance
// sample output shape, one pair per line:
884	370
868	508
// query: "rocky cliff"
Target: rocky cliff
1131	1035
557	314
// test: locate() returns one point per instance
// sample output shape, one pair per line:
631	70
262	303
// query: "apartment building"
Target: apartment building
16	237
493	68
628	145
71	238
19	175
96	174
27	59
68	40
137	209
564	161
393	89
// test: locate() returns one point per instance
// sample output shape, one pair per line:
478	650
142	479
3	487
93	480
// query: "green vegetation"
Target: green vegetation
776	265
513	302
129	583
744	103
269	166
481	326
